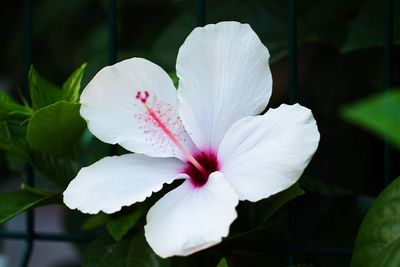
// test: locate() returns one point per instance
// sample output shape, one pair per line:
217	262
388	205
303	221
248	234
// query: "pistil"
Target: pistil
168	133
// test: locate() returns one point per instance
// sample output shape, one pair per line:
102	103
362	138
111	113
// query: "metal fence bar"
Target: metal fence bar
292	47
29	221
112	31
29	174
292	39
388	80
201	12
57	237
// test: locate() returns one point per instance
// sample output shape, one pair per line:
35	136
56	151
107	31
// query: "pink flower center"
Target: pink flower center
208	160
200	165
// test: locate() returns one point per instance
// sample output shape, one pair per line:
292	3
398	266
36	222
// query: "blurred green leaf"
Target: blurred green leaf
11	110
13	203
378	240
367	30
12	130
42	92
71	87
120	226
12	140
129	252
95	221
379	114
391	257
325	22
56	169
281	199
56	128
222	263
97	148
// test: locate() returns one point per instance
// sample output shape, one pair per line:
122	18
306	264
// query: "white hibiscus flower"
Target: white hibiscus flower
207	133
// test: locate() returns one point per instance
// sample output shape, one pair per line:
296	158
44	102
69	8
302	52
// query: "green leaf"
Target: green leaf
56	128
367	30
129	252
391	257
71	87
379	114
95	221
120	226
378	240
56	169
222	263
280	200
11	110
12	140
12	130
42	92
13	203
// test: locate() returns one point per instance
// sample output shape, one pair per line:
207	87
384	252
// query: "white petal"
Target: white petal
263	155
114	115
223	76
190	219
118	181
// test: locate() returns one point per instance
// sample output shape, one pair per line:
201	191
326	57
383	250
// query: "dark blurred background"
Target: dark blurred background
340	60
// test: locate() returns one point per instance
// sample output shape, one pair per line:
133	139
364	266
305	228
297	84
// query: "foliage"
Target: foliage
13	203
131	252
379	114
378	240
39	134
340	51
55	128
120	226
367	29
222	263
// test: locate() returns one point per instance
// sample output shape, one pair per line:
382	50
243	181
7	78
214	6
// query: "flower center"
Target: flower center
199	162
207	159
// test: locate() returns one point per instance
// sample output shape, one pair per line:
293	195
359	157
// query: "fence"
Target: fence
30	235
